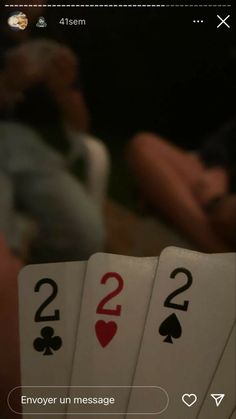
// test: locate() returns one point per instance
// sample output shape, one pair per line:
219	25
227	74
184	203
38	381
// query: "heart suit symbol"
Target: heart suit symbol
105	332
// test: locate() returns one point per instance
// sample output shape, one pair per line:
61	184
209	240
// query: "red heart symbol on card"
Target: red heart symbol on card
105	331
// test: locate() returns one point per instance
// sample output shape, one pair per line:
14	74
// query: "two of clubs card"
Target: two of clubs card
118	336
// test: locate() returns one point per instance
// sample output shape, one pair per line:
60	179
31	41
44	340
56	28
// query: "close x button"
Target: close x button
223	22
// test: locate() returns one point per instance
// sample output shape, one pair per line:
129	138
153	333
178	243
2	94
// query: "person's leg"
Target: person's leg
213	184
187	165
70	224
167	184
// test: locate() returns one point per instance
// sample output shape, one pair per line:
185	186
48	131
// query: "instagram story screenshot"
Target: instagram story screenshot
117	210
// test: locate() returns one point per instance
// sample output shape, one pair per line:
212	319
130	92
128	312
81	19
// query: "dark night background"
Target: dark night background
153	69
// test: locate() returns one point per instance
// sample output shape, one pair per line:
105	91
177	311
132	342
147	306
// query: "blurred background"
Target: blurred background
85	90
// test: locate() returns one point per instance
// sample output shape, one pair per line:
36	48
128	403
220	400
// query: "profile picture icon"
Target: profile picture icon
41	22
18	21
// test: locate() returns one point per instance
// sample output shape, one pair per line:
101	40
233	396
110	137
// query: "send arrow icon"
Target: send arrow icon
218	398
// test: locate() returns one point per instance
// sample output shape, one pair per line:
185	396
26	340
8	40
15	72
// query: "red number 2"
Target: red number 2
117	310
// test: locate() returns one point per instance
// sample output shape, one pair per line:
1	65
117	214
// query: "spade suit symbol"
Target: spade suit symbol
171	328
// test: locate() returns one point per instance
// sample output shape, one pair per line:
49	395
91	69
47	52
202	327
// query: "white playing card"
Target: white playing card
191	314
49	304
224	382
116	296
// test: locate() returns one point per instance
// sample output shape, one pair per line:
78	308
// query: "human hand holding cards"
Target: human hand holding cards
121	335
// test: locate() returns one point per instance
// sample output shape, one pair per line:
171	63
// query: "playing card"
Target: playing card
224	382
49	304
116	296
191	315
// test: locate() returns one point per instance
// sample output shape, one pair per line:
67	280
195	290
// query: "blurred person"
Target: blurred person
70	225
34	178
194	190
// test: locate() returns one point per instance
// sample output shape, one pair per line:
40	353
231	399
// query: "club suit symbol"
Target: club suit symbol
48	343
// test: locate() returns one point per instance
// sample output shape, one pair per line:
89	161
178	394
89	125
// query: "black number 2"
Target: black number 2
168	302
52	296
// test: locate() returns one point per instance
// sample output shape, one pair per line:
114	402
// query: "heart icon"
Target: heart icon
105	332
189	399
